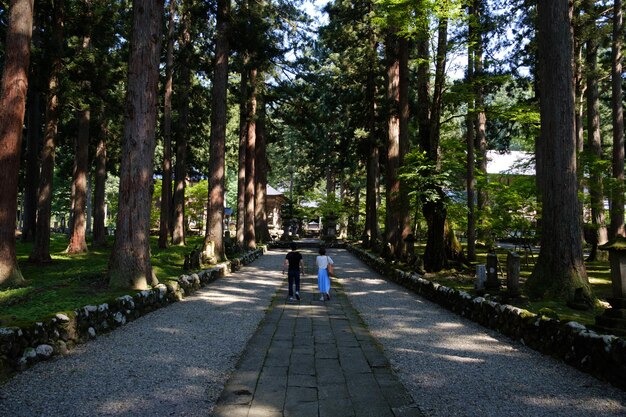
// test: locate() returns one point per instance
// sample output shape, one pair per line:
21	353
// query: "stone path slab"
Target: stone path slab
314	358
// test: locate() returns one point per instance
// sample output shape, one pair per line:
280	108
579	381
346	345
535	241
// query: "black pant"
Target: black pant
293	277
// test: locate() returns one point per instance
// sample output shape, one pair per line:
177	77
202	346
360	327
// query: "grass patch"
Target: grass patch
599	273
73	281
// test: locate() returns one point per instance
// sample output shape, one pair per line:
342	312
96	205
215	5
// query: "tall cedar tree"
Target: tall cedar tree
78	242
99	195
130	265
404	217
594	140
617	206
435	210
33	140
215	223
182	136
262	232
392	216
166	188
559	271
470	138
78	218
41	248
241	164
370	231
249	227
482	196
13	89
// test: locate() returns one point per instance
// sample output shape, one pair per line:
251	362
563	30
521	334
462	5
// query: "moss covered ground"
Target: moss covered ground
73	281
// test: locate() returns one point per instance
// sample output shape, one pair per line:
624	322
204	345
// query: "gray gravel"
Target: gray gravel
175	361
172	362
454	367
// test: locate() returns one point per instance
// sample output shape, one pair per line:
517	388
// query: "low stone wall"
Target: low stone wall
603	356
22	347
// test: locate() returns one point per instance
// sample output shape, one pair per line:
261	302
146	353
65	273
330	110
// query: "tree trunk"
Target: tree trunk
560	270
178	229
481	122
130	265
78	243
404	216
579	95
470	138
13	91
435	211
594	141
41	248
249	228
99	213
392	215
215	223
166	186
370	231
423	77
243	138
262	232
617	199
31	182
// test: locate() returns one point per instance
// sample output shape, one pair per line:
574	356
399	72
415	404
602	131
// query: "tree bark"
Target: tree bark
617	199
594	140
130	265
404	216
262	232
166	186
41	248
99	213
78	242
435	211
33	140
178	225
481	122
371	232
13	89
560	270
392	215
579	95
249	228
243	137
470	138
215	223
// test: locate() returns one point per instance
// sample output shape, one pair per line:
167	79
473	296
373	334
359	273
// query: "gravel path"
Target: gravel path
175	361
454	367
172	362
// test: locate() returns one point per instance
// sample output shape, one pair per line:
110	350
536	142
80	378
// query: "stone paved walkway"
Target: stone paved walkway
314	358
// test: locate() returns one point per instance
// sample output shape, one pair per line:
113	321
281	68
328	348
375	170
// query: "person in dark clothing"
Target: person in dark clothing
294	265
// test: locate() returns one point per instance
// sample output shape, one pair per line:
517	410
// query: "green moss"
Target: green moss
617	244
73	281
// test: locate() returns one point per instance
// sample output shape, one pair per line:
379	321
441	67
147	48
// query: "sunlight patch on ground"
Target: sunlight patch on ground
449	326
588	404
168	330
459	359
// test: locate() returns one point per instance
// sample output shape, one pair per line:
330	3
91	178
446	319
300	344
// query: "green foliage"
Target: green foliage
512	206
422	177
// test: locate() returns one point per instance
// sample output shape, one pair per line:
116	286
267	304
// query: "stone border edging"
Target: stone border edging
603	356
22	347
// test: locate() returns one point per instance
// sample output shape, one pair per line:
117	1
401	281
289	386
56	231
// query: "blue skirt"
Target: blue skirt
323	282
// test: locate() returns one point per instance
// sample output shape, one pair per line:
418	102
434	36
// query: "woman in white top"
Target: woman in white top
323	280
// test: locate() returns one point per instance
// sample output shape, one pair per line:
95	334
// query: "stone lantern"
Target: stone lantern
614	318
